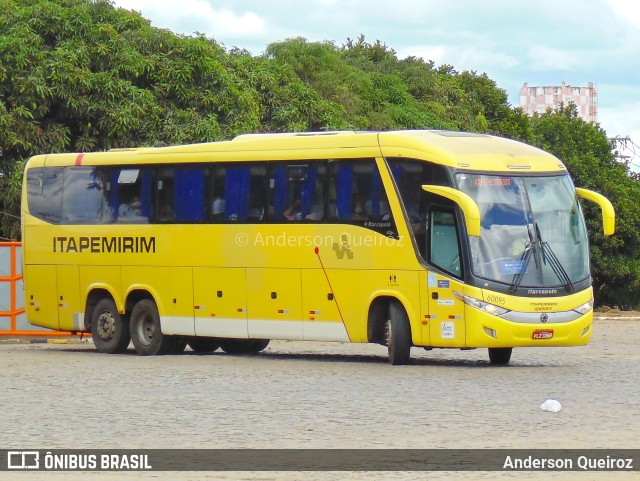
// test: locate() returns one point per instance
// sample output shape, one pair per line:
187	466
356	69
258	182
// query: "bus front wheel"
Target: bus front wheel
146	333
109	330
397	335
500	355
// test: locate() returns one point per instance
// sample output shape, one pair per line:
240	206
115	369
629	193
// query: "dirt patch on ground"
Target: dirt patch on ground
611	313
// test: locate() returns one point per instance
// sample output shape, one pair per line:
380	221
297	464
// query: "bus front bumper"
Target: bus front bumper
485	330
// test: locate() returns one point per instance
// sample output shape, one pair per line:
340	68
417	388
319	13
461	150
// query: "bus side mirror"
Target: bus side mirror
608	214
466	203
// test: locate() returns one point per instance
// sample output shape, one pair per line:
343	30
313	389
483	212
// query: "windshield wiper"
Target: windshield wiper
548	256
524	259
529	249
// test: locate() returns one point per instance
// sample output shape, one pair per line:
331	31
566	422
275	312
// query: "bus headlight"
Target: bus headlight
481	305
584	308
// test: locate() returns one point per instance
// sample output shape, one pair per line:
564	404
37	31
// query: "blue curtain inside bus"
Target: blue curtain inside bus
343	191
145	194
188	194
237	190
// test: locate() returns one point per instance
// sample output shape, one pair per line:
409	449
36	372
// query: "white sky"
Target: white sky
514	41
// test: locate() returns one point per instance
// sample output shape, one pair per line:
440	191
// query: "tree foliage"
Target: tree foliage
82	75
586	152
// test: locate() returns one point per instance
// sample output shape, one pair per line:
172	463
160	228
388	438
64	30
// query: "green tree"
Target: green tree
586	151
285	101
81	75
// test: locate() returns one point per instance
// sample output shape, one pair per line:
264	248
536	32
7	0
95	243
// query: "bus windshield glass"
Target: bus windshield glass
532	230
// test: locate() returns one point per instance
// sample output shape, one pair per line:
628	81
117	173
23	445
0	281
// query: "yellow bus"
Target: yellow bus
431	239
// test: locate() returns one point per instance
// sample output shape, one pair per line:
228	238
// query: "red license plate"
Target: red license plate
542	334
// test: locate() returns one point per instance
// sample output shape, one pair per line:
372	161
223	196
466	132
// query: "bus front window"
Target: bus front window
532	231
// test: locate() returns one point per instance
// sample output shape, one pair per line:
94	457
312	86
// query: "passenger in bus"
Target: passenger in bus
255	213
332	211
317	212
217	208
166	212
293	212
383	208
256	207
358	208
416	220
130	212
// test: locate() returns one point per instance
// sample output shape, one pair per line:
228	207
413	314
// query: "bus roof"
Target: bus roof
462	150
470	151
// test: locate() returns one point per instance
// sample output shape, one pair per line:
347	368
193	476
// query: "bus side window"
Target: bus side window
343	188
180	194
189	194
44	193
376	207
217	193
410	175
130	195
312	194
257	193
165	209
244	190
297	192
356	195
356	192
444	250
350	191
83	197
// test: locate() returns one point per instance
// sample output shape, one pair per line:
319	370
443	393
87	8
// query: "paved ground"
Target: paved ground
323	395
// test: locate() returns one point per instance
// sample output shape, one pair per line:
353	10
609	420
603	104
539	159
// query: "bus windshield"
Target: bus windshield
527	225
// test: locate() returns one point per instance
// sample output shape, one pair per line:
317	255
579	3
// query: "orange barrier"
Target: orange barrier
13	321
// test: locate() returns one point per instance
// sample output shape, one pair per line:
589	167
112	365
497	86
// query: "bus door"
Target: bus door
446	313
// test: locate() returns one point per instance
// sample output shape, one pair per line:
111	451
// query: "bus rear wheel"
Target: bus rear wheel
500	355
243	346
203	344
146	332
397	335
109	330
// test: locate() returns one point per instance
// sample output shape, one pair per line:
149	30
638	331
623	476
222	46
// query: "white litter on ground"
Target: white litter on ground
551	405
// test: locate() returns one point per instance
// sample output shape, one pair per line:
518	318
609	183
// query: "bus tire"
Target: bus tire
203	344
109	330
146	332
500	355
397	335
243	346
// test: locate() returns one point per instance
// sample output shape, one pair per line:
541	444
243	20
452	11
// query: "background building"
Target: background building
537	99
